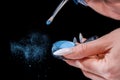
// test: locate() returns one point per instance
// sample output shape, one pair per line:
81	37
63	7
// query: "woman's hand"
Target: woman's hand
98	59
109	8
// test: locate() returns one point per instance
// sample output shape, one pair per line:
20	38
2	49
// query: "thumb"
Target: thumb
100	45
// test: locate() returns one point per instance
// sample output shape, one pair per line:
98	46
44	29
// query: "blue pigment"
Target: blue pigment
48	22
32	47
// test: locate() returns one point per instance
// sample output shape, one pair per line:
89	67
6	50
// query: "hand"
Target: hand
109	8
98	59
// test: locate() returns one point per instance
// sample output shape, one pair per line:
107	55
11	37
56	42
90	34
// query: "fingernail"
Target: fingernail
64	51
80	37
75	40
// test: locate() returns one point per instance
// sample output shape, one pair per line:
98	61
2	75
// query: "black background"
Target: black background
19	18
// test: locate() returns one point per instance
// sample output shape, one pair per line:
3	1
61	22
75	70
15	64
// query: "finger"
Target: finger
93	65
95	47
72	63
92	76
77	63
86	73
79	51
83	50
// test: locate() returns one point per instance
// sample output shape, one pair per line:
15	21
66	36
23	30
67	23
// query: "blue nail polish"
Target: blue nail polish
62	44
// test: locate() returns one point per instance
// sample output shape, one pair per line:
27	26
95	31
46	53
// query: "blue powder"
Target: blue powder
32	47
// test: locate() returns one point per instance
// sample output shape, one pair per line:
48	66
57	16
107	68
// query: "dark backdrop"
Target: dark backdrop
20	18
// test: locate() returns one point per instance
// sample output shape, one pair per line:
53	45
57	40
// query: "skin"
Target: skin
98	59
109	8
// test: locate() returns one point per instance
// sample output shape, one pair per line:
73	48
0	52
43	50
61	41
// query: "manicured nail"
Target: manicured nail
75	40
63	51
80	37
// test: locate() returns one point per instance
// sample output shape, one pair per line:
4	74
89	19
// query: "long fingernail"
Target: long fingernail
80	37
75	40
63	51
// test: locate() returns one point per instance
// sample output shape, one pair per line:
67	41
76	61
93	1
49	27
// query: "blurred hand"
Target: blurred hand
109	8
98	59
